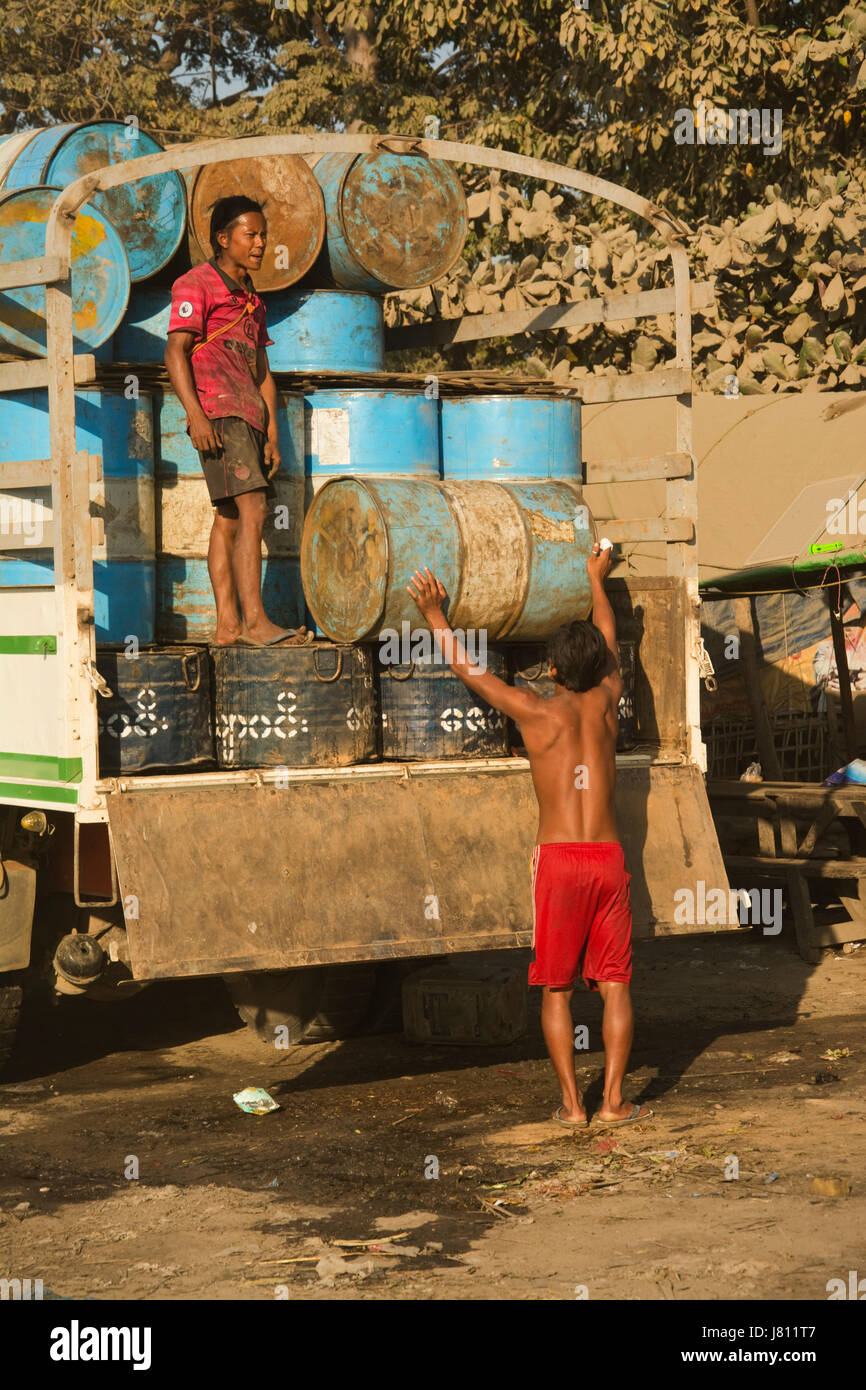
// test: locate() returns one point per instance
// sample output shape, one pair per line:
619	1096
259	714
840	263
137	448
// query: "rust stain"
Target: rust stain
86	315
87	234
541	526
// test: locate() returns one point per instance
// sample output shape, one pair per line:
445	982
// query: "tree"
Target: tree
593	84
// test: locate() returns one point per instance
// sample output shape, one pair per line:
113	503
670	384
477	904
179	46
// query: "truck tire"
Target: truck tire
315	1004
10	1016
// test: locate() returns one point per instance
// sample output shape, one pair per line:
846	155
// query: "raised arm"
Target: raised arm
429	594
598	567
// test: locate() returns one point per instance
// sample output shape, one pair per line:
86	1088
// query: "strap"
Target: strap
249	308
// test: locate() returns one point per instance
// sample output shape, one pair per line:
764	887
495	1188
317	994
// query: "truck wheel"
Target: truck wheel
315	1004
10	1016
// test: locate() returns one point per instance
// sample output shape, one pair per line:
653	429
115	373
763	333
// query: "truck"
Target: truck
312	892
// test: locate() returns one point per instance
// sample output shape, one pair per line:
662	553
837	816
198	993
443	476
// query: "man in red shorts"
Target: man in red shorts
218	364
582	914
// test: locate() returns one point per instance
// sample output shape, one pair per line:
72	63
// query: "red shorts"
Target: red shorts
581	915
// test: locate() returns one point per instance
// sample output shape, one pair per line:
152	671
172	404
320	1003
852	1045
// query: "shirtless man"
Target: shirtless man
580	888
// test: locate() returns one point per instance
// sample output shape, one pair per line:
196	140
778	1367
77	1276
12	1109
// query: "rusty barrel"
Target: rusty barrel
394	221
511	556
149	214
505	437
99	273
184	598
293	205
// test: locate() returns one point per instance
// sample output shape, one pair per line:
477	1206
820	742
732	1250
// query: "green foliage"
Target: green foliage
596	89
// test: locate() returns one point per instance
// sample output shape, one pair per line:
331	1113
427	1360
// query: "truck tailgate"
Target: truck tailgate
431	860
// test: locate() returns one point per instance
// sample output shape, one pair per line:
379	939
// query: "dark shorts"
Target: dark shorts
240	466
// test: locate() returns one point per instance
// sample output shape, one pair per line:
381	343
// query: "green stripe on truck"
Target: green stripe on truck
28	646
21	791
42	769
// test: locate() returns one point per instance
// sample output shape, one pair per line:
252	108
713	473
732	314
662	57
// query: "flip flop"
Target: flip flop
276	641
569	1124
629	1119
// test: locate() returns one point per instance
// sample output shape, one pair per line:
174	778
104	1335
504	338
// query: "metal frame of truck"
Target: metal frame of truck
145	814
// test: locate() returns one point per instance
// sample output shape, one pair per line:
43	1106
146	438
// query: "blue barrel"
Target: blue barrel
510	437
142	332
378	432
121	431
149	214
184	603
393	221
294	706
312	331
99	273
511	556
326	331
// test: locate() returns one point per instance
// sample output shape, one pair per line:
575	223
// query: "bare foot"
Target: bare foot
623	1111
266	631
227	634
572	1114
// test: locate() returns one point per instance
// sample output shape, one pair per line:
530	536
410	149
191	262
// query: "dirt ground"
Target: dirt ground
731	1036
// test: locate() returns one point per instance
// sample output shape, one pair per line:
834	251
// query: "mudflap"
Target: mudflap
394	863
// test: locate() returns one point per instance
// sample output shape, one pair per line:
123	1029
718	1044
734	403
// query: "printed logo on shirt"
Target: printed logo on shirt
184	310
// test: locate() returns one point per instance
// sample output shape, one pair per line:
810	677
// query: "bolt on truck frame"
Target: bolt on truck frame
333	873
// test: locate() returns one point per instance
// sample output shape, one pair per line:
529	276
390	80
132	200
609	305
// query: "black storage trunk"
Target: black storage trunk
294	706
158	718
529	669
428	713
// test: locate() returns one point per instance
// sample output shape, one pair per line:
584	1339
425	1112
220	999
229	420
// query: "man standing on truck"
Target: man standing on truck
580	888
217	360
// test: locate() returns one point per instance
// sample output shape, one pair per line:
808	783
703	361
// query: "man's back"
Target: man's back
570	740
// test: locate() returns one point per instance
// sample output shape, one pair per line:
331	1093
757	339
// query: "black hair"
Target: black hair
226	211
579	655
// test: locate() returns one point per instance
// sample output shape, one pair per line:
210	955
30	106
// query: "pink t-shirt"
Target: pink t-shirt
224	370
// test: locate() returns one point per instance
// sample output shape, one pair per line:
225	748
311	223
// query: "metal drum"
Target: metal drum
294	706
143	331
361	432
394	221
529	669
149	214
326	331
99	273
293	205
184	598
510	437
159	713
121	431
511	556
428	713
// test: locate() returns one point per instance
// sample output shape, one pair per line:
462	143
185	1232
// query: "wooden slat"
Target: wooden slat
636	386
22	376
812	868
37	473
33	473
647	529
41	270
609	308
21	542
635	470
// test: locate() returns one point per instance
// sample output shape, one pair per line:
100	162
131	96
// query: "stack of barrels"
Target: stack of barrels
486	488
